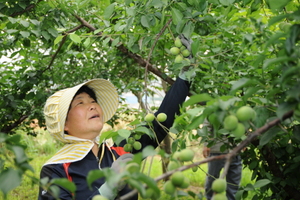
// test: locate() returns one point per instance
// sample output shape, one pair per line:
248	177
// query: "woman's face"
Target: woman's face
85	117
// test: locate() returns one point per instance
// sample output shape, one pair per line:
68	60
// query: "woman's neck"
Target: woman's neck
95	149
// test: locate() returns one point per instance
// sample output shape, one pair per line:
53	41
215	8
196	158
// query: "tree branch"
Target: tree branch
28	8
60	46
228	157
13	125
150	54
134	56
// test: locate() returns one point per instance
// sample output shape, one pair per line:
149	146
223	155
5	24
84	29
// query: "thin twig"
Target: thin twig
149	57
60	46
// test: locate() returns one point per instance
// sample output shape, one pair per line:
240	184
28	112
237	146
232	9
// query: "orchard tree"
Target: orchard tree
245	53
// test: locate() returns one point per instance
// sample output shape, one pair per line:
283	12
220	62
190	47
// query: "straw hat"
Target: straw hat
57	105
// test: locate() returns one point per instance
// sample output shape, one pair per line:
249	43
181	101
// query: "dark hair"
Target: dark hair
87	90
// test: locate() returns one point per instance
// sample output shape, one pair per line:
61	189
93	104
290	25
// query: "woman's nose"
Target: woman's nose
93	107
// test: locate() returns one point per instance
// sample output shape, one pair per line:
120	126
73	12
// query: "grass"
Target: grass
39	149
42	147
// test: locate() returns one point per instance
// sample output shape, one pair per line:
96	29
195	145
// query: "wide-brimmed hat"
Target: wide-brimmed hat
57	105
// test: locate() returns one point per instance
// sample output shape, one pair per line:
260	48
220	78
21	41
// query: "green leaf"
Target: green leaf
213	1
83	3
150	182
107	135
137	185
145	21
58	39
14	139
267	136
239	195
36	32
149	151
195	47
283	109
45	35
176	15
226	103
54	190
296	159
109	11
197	99
124	133
272	61
65	183
274	39
135	122
142	129
253	164
94	175
296	133
25	34
9	179
277	4
75	38
87	42
261	183
243	82
24	23
276	19
195	123
249	187
3	137
13	20
19	153
188	29
115	42
227	2
53	32
262	115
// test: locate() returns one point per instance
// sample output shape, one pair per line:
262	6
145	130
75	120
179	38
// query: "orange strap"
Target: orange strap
119	150
66	167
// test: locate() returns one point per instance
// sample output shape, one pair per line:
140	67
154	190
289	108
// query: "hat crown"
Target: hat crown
57	105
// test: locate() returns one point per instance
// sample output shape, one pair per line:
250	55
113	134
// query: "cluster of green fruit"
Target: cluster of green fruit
297	112
150	194
161	117
236	123
219	187
180	51
132	143
177	179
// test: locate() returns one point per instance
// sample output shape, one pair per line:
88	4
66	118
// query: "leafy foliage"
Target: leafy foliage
246	52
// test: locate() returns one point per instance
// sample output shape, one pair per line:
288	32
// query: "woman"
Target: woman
75	116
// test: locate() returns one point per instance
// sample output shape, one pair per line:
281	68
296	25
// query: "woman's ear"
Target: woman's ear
66	127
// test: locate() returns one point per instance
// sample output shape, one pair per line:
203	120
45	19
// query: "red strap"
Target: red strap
119	150
66	167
